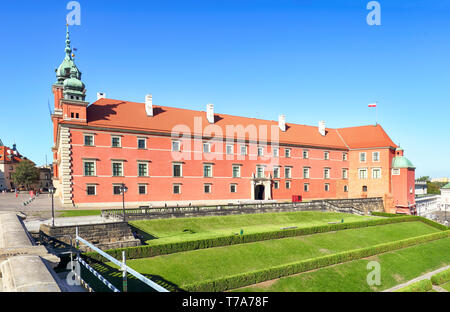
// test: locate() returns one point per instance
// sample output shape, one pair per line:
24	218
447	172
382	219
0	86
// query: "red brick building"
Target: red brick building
180	156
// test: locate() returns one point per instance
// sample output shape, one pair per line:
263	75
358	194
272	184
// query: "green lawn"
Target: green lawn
198	265
77	213
446	286
163	231
397	267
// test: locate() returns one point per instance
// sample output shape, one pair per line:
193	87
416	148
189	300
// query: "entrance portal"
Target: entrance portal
259	192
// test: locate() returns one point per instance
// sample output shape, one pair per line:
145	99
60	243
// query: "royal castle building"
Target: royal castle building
167	155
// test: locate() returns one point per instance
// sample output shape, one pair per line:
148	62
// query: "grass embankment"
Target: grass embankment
162	231
77	213
397	267
190	267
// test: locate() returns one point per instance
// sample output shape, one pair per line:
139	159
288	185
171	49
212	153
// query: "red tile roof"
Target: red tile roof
5	152
131	115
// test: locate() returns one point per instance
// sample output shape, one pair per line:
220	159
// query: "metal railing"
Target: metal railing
121	264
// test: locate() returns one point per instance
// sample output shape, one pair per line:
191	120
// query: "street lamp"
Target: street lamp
123	190
52	190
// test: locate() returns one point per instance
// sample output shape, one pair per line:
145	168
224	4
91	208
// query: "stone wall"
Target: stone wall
362	206
104	235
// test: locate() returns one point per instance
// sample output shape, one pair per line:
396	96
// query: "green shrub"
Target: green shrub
163	249
441	277
420	286
249	278
386	214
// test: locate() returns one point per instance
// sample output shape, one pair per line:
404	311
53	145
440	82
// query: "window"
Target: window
305	173
207	188
207	171
326	173
243	150
116	190
91	190
115	141
376	173
89	168
175	146
88	140
177	189
117	169
395	171
375	156
259	171
276	152
327	187
141	143
345	188
177	170
260	151
306	187
344	173
305	154
230	148
344	156
276	172
72	114
287	172
142	169
142	188
206	148
362	157
287	152
326	155
276	185
77	115
362	173
288	184
233	188
236	171
364	188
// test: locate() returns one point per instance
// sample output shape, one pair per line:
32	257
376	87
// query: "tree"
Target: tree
26	174
424	179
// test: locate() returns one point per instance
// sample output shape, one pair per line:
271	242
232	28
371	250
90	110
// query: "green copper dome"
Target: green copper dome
447	186
402	162
64	70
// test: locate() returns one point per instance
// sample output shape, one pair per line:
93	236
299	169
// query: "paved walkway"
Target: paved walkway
425	276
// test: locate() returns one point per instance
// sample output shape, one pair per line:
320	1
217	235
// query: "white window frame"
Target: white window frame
145	143
232	149
344	156
365	157
277	176
235	187
373	173
305	152
276	185
395	171
208	150
95	189
288	185
239	171
95	167
139	191
146	165
345	188
326	155
176	143
366	173
211	171
305	187
326	187
306	176
173	169
287	172
373	156
263	171
246	150
327	173
287	153
116	137
276	152
209	185
345	173
88	135
122	169
173	188
260	151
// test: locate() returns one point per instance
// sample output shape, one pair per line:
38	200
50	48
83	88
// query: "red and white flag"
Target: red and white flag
373	104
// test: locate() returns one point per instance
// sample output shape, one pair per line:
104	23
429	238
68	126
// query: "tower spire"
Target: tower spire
68	48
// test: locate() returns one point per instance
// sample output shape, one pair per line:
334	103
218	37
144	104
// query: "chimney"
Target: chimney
210	113
148	105
322	127
101	95
282	122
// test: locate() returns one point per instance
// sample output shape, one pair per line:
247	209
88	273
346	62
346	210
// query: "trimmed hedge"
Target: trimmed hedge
386	214
147	251
420	286
441	277
254	277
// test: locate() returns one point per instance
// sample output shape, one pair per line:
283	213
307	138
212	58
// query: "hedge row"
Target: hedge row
385	214
147	251
420	286
441	277
250	278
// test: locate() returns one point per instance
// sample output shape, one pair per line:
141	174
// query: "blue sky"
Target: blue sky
310	60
